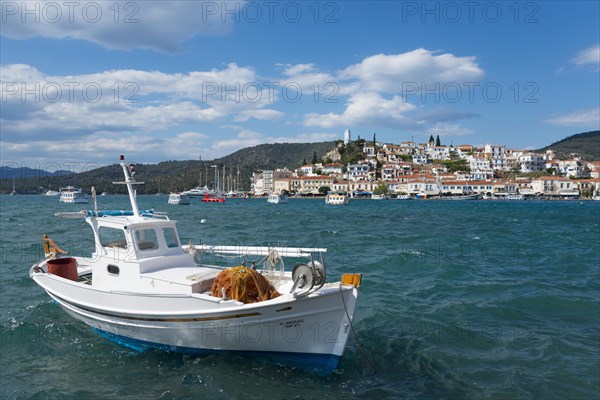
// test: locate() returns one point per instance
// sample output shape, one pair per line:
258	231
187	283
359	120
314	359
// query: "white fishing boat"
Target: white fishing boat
142	288
179	199
403	197
336	198
50	192
72	195
275	198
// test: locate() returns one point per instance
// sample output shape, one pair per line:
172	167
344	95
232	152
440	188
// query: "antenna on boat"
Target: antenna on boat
129	172
95	201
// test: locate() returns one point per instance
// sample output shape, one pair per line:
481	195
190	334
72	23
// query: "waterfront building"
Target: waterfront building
312	184
554	186
358	170
531	162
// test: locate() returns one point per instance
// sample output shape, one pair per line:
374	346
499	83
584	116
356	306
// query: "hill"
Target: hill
172	176
586	144
7	172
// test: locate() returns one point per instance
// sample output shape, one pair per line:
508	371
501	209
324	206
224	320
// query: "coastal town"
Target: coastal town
433	170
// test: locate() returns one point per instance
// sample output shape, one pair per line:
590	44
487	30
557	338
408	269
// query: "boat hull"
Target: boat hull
309	331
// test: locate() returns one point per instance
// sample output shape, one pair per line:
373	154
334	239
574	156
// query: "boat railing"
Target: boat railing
257	250
110	213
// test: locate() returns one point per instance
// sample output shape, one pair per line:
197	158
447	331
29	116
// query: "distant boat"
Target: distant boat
474	196
179	199
52	193
197	191
71	195
213	199
379	197
338	199
404	197
421	196
515	196
14	192
275	198
104	194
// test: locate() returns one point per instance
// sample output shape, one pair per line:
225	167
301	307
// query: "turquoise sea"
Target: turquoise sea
460	300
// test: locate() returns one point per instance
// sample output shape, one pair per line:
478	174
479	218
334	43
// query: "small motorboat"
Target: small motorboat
142	288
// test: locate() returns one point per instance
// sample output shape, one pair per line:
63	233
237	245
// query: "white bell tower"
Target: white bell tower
346	136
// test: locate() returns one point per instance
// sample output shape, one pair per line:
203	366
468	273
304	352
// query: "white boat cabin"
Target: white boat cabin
131	252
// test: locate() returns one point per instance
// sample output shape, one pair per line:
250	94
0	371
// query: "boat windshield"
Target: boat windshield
146	239
170	237
111	237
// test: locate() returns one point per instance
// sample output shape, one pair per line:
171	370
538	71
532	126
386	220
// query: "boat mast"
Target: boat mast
129	171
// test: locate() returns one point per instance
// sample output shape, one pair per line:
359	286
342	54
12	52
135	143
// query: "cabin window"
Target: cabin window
112	269
111	237
146	239
170	237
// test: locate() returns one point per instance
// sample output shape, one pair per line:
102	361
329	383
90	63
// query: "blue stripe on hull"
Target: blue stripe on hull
320	363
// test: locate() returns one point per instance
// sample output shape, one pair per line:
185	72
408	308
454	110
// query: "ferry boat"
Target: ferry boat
143	289
179	199
336	198
275	198
72	195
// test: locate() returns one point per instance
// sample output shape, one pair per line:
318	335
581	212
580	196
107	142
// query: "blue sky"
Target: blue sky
85	81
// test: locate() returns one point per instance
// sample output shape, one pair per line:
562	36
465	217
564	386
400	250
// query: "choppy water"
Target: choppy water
464	300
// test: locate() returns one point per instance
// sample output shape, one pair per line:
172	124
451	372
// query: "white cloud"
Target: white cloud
389	73
159	113
366	109
122	100
589	56
265	115
123	25
584	118
445	129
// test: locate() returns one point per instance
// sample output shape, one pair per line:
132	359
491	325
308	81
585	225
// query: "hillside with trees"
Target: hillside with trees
171	176
586	145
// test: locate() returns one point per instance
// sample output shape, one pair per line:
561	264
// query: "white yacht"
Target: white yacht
275	198
72	195
179	199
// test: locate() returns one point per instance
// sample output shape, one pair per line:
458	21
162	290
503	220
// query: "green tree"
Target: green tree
437	141
324	190
381	188
314	159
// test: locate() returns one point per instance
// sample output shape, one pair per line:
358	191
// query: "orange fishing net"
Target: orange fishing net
243	284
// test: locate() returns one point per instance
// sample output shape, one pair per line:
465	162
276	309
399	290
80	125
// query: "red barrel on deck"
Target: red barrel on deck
65	267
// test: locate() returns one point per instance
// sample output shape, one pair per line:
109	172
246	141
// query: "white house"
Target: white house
531	162
356	170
